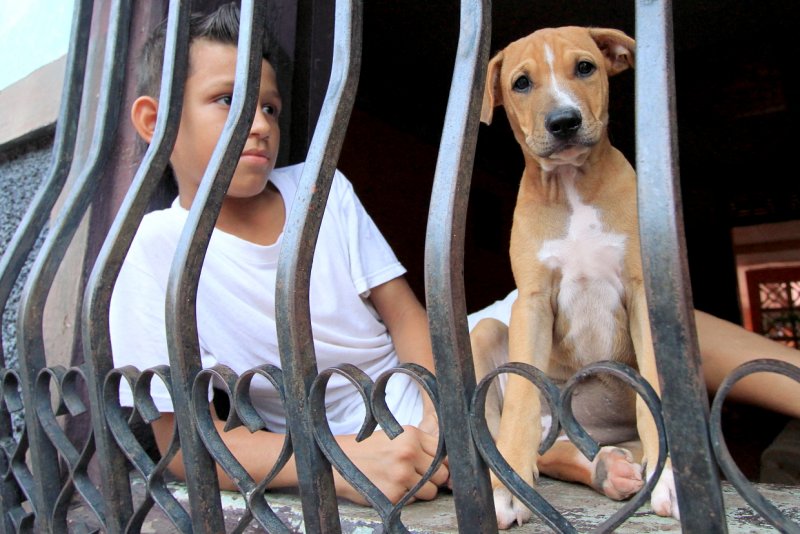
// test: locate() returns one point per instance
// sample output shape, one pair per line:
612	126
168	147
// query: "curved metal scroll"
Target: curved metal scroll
181	313
376	413
292	315
95	314
120	428
444	259
488	450
561	410
768	510
590	448
30	344
76	461
242	413
14	465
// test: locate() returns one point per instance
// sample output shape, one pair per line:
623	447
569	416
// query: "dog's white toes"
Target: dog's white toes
509	509
615	474
664	499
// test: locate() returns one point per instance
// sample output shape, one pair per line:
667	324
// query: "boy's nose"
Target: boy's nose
261	125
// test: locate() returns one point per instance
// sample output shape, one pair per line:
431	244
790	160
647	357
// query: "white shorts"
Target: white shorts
500	310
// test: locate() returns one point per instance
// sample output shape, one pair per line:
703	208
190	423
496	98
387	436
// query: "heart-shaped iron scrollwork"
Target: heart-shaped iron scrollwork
69	401
376	413
119	422
242	413
491	455
760	503
14	467
589	447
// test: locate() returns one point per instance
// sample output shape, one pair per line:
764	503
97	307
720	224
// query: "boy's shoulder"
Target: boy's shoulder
161	228
293	173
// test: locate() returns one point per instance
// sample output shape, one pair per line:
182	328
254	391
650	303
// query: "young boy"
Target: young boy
362	310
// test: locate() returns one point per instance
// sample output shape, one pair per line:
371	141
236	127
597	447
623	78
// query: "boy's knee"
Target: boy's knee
488	334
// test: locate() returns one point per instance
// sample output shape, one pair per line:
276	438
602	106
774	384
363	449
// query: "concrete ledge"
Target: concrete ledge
31	105
583	507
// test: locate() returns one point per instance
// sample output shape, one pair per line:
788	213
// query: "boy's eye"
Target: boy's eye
224	100
269	109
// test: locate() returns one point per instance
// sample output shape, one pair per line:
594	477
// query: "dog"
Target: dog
576	261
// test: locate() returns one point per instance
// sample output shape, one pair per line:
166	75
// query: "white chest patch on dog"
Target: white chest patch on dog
590	260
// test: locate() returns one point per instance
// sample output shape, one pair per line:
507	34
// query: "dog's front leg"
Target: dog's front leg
530	341
664	499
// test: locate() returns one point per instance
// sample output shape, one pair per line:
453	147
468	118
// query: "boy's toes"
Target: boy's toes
615	474
509	509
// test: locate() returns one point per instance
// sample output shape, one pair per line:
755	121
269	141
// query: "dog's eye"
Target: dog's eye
522	84
584	68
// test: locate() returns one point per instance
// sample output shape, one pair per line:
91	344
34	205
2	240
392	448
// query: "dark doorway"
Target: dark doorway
735	111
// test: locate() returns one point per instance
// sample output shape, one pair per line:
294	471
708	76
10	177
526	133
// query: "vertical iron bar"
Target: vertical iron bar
96	335
63	149
44	459
444	260
38	212
295	336
181	310
684	399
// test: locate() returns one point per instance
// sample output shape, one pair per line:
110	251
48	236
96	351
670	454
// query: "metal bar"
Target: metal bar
96	336
63	149
293	319
38	212
181	311
747	489
444	257
669	297
44	460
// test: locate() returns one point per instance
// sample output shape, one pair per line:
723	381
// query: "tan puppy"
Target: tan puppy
576	261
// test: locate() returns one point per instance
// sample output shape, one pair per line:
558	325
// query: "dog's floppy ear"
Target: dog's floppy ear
492	96
617	48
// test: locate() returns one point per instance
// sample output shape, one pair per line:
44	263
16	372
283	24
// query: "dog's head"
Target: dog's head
554	86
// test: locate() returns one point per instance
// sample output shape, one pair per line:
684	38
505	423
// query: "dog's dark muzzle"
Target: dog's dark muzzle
563	123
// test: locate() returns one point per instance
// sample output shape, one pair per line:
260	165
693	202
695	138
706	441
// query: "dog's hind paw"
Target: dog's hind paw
664	499
509	509
615	474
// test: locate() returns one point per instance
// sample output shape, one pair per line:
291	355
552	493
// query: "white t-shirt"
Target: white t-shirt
236	305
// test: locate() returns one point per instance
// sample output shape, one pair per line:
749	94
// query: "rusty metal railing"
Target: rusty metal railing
17	484
36	493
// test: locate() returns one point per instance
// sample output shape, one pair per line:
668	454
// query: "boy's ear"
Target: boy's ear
144	113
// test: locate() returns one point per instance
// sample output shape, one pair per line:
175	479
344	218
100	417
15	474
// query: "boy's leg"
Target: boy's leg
489	340
724	346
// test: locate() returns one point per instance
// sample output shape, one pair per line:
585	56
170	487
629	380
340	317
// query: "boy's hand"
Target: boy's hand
430	424
393	466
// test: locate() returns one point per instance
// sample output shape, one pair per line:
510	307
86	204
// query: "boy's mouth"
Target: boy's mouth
257	154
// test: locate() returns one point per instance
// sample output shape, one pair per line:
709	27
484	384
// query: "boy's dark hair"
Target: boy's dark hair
219	26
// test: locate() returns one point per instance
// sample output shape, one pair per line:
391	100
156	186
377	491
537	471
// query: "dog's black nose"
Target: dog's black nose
563	123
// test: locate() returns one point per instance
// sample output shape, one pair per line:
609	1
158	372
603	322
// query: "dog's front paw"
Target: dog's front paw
615	474
509	509
664	499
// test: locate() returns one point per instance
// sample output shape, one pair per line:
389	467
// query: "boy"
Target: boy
362	309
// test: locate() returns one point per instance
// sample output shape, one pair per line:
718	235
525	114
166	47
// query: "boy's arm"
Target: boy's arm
394	466
407	322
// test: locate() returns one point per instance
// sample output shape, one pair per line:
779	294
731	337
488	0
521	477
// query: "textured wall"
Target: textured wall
20	177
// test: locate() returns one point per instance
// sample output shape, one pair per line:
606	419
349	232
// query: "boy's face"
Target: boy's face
206	103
